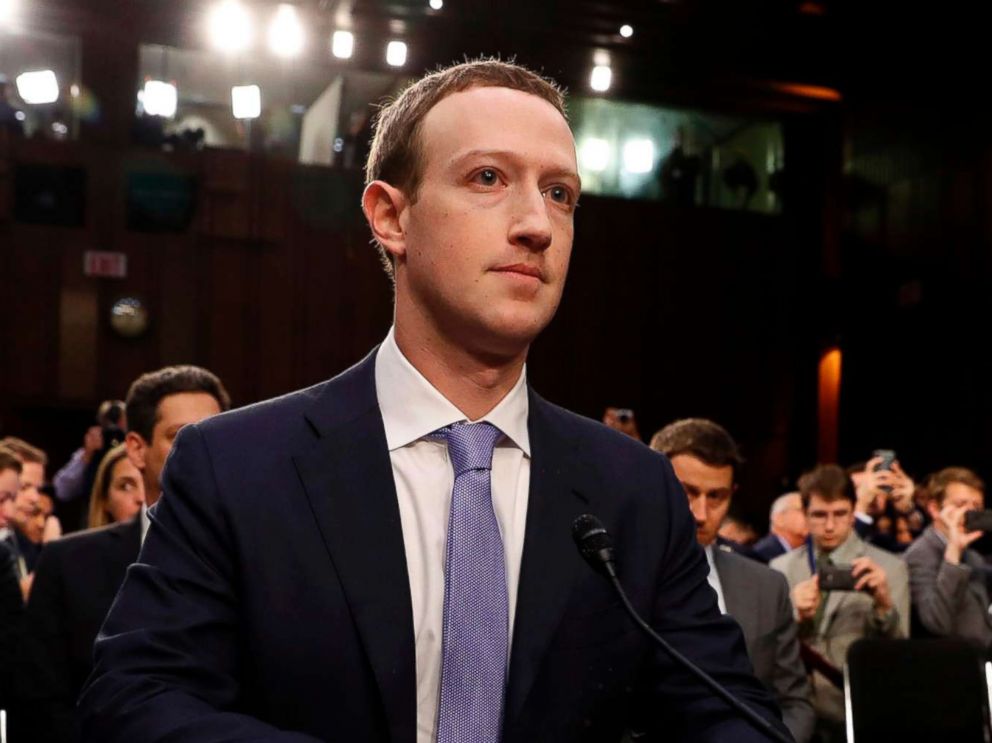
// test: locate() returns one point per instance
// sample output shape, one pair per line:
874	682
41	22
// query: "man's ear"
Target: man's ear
136	448
383	206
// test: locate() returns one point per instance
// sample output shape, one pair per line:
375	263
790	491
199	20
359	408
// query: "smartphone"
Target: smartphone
836	578
978	521
888	457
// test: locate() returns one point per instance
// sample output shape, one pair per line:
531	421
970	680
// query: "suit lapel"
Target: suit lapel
550	564
347	476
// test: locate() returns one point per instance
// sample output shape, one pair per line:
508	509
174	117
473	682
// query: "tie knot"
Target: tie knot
470	445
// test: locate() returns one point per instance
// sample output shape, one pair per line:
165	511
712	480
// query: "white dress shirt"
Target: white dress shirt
411	409
714	578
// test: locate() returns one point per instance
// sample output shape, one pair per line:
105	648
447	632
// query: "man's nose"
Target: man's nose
698	508
531	227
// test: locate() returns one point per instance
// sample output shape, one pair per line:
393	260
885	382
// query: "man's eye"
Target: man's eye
487	177
560	194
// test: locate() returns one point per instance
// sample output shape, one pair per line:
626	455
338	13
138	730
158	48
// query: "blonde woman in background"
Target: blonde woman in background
118	493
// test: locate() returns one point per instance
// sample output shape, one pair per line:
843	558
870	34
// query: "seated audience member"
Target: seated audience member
786	528
33	508
10	486
78	576
705	459
946	577
831	620
737	531
118	492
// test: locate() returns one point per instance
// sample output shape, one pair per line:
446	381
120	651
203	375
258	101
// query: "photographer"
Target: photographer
947	578
75	479
881	487
842	588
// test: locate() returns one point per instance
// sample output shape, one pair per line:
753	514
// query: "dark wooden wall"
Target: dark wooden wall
674	312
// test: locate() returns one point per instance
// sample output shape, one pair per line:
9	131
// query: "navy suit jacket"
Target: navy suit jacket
271	599
768	548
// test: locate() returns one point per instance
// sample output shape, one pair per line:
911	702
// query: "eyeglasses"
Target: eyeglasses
821	517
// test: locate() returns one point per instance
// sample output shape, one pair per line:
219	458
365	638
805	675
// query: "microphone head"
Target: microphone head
593	541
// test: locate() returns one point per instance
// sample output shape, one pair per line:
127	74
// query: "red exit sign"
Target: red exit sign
104	264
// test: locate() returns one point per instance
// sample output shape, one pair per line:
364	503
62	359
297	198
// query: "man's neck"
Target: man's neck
472	384
794	540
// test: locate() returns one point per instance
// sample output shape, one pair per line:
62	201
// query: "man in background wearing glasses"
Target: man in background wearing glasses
875	604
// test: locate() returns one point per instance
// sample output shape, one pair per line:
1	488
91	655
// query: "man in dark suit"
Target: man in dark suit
786	528
78	576
318	560
705	459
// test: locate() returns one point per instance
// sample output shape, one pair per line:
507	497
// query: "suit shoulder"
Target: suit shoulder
264	412
86	542
751	570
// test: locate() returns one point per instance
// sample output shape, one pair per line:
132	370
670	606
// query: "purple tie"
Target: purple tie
474	639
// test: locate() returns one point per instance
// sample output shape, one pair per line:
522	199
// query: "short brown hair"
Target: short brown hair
827	481
937	483
395	151
148	390
24	451
9	460
703	439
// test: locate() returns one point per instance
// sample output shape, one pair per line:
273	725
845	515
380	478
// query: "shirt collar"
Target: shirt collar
412	407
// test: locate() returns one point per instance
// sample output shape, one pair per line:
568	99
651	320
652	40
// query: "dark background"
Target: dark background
883	246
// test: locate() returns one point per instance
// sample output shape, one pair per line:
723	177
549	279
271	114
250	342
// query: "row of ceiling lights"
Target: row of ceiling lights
231	30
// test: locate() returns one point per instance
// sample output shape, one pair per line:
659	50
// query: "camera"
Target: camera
978	521
888	457
836	578
624	415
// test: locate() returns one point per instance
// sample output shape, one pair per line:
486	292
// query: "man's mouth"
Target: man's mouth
523	269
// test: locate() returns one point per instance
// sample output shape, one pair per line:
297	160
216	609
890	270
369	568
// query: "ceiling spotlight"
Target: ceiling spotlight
160	98
230	26
396	53
626	30
638	156
246	101
436	4
601	78
594	155
342	44
286	32
7	10
38	87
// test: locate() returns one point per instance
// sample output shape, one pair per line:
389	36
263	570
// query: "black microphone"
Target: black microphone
596	547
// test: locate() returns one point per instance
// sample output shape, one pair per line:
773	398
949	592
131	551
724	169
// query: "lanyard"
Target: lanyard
810	555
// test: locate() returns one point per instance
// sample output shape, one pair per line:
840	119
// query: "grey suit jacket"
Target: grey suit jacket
758	598
950	600
848	615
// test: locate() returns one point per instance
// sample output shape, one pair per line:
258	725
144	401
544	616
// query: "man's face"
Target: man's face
709	490
830	522
485	247
10	486
791	523
957	495
174	412
26	504
32	515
